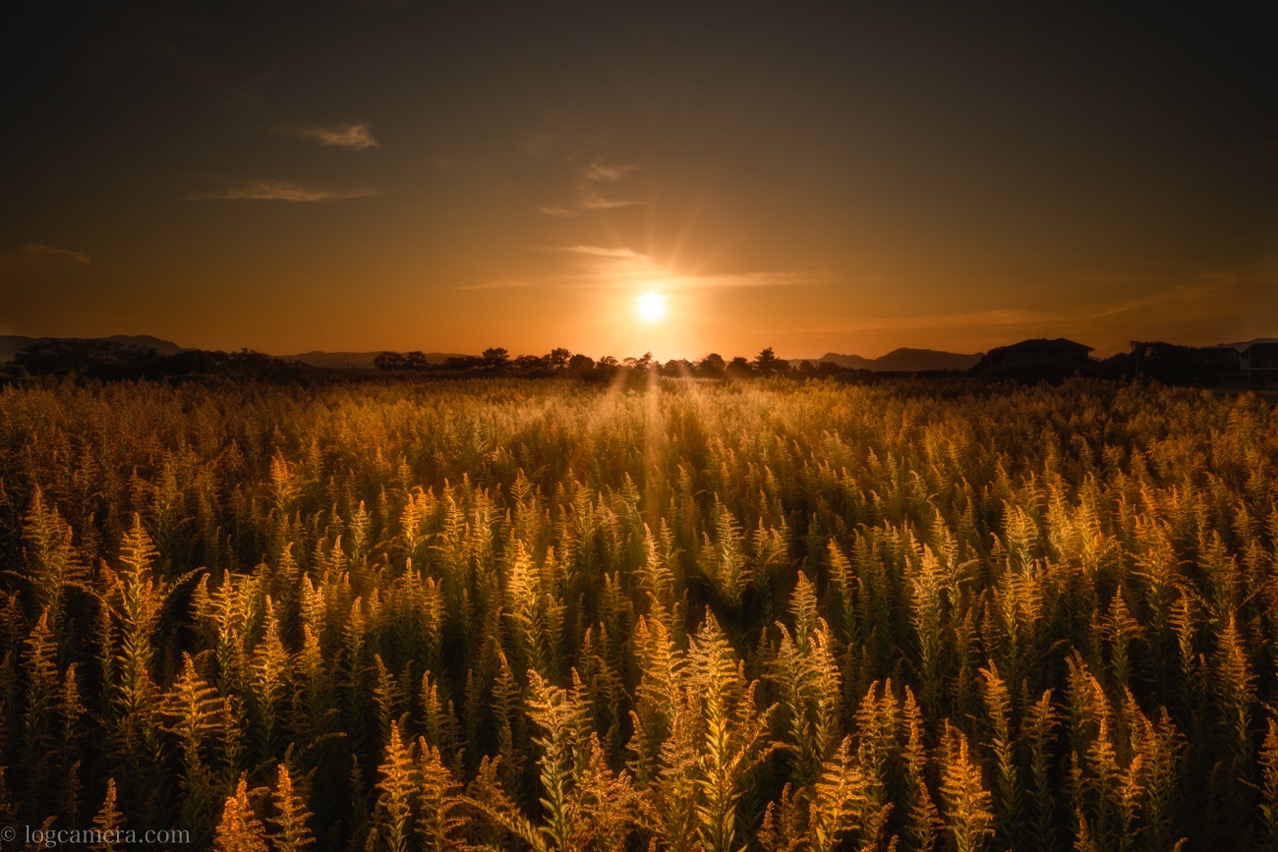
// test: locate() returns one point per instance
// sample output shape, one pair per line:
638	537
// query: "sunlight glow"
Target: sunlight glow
651	306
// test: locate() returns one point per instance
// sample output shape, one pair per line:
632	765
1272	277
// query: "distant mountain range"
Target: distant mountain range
10	344
906	360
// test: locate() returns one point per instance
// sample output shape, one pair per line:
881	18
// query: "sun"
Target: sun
651	306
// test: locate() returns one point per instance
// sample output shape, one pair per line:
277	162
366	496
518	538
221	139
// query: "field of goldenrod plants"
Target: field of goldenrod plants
544	615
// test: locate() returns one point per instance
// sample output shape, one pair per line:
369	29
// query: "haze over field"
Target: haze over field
818	178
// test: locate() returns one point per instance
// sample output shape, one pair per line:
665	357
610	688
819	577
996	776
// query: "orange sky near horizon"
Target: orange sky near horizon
820	178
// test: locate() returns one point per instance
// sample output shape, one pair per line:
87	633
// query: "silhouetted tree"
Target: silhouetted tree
191	361
581	363
606	367
1173	364
768	364
558	357
530	364
739	367
463	363
496	358
712	366
259	365
388	361
677	367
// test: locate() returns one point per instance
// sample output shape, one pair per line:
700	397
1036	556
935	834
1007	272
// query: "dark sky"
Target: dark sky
814	177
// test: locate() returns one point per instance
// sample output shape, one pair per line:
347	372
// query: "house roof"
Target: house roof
1262	350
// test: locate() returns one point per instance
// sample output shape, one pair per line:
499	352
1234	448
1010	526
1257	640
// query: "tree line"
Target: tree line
563	362
111	360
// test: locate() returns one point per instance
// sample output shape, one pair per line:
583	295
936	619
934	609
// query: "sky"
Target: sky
815	177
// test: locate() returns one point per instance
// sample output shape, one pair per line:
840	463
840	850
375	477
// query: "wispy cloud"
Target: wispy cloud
795	278
595	172
605	173
38	250
277	190
1210	292
1207	307
600	251
601	267
559	211
354	136
597	189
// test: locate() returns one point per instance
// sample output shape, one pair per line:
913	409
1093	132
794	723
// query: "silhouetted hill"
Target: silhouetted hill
11	344
906	360
854	362
921	360
356	360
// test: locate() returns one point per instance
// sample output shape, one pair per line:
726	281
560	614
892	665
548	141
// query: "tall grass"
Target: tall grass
498	614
